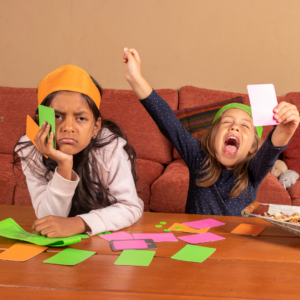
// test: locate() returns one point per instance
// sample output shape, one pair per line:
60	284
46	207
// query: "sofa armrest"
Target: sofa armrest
294	192
272	191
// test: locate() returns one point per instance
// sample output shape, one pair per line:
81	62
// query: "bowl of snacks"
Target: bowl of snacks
286	217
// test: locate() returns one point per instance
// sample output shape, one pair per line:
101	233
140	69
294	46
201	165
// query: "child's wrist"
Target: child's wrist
65	171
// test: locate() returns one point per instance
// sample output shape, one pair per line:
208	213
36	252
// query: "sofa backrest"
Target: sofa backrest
143	134
15	104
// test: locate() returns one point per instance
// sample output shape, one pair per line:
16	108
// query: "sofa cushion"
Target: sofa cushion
291	154
272	192
143	134
22	196
7	179
169	191
197	120
294	98
190	96
15	104
147	172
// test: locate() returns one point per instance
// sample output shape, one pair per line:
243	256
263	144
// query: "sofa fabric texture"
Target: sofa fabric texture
162	177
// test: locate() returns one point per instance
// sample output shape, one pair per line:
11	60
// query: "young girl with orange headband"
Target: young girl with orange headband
227	165
87	184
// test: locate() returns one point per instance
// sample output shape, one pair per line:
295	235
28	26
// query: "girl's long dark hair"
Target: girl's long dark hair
90	193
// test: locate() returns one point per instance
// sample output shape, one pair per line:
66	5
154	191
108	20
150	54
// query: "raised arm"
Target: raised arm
187	146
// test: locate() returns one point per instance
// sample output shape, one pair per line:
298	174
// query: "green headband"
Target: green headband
244	107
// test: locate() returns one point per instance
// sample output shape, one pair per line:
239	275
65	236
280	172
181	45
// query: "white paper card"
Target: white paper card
263	101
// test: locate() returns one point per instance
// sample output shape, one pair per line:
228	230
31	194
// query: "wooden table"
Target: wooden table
242	267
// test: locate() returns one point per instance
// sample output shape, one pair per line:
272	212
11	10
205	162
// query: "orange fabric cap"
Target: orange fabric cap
69	78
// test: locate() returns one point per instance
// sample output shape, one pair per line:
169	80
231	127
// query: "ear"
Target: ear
97	127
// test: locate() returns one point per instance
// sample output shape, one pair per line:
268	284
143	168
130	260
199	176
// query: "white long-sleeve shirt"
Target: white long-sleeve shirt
55	197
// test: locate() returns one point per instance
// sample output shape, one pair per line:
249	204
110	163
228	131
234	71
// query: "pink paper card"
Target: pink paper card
263	101
132	244
204	223
122	235
201	238
156	237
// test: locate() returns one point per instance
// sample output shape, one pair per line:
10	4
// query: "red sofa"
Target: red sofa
163	176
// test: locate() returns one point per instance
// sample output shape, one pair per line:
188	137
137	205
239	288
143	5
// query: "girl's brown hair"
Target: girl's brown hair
212	168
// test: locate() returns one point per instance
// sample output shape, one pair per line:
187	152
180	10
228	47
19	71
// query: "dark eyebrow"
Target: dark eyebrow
76	114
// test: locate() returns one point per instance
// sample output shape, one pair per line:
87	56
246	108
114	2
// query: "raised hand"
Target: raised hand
133	73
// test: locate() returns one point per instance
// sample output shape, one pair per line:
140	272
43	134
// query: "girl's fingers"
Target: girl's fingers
50	140
290	116
289	119
280	106
135	54
47	230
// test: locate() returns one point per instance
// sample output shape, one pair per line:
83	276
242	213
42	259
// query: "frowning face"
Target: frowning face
75	124
235	137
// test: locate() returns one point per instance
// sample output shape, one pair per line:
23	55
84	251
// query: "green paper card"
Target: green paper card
69	257
47	114
194	253
135	258
10	229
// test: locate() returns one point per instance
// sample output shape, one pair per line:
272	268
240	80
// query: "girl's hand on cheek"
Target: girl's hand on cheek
46	148
55	227
288	117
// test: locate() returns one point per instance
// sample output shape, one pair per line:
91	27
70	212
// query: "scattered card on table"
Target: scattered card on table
132	245
201	238
194	253
122	235
135	258
206	223
184	228
156	237
69	257
22	252
249	229
263	101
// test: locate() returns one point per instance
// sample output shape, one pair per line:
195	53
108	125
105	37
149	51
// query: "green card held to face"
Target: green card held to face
194	253
69	257
135	258
47	114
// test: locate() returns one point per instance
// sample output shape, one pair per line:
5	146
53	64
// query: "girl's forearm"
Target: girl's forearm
141	87
280	137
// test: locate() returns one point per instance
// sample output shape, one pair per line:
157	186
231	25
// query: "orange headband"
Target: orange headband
69	78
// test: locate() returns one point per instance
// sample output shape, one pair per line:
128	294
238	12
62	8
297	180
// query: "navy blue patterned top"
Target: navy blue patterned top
212	200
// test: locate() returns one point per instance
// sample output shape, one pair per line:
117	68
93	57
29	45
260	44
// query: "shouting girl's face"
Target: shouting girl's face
235	137
75	125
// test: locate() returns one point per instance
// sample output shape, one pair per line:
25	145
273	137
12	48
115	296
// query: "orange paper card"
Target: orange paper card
184	228
21	252
249	229
31	131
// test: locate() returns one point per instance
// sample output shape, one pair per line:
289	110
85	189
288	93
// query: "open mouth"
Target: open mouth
231	145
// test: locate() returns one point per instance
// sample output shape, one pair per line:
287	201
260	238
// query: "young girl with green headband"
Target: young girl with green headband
227	165
86	184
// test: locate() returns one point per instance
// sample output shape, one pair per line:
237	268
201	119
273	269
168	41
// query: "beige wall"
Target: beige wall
215	44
